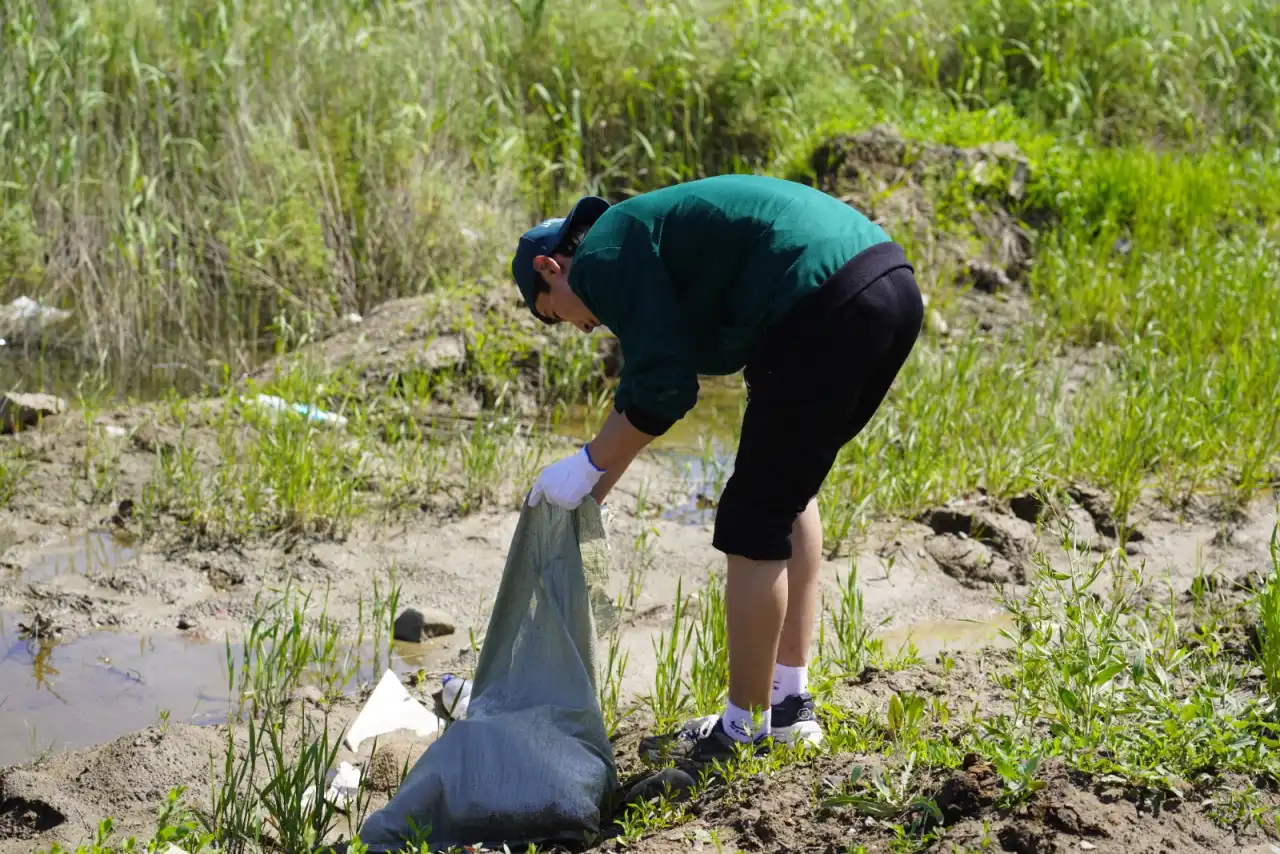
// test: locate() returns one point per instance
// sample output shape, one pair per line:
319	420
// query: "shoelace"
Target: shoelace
699	728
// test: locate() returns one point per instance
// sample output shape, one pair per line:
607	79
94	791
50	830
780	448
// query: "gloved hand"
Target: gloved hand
566	482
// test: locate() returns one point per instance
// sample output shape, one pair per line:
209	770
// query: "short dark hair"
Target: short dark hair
565	247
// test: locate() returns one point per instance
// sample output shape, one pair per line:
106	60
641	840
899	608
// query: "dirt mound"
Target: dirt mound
965	209
462	349
901	182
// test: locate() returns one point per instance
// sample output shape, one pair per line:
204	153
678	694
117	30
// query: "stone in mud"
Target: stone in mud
988	278
25	410
674	784
414	626
968	561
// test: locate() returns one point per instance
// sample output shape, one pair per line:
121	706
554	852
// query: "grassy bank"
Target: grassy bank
195	179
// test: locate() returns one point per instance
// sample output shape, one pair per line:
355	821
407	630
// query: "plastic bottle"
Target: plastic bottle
456	696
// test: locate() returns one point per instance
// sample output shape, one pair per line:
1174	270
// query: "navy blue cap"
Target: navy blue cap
543	239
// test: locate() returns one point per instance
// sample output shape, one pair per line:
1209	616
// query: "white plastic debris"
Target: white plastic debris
277	404
353	318
344	787
455	695
25	314
389	708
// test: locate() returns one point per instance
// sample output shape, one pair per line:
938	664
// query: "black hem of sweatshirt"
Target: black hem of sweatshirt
846	283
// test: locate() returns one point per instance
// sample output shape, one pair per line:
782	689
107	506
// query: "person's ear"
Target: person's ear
545	265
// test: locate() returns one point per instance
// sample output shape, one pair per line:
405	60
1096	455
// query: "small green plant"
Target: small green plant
668	701
1269	619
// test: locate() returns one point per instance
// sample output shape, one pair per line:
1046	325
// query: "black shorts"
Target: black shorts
819	375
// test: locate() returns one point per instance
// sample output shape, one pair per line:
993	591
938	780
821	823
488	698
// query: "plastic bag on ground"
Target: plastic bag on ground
531	762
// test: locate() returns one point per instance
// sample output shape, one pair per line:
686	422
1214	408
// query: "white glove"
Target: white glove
566	482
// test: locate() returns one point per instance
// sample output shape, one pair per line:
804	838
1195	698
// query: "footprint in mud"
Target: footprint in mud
969	561
27	807
979	545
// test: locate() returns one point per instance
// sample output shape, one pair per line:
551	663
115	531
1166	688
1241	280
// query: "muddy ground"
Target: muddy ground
133	627
120	655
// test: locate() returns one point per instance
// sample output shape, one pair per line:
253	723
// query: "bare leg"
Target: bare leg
802	588
755	604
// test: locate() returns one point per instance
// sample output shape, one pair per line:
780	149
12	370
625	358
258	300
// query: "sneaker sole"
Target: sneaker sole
802	731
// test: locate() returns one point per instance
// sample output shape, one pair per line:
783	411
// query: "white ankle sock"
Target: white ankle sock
789	682
739	723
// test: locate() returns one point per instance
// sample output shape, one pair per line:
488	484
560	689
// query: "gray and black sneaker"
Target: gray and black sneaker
795	720
702	740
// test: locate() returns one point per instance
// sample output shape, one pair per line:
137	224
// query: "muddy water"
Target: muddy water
57	696
90	551
931	637
61	695
714	420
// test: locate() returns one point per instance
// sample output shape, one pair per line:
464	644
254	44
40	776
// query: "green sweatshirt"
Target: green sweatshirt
688	278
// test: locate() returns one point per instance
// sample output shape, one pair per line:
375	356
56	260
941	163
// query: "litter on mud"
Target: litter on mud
390	708
531	762
310	412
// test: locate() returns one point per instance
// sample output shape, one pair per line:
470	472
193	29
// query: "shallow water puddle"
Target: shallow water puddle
57	696
934	636
63	695
92	550
716	417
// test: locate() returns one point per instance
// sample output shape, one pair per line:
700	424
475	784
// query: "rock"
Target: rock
185	624
24	410
672	782
988	278
414	626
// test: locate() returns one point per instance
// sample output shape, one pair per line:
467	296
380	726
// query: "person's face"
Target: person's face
561	303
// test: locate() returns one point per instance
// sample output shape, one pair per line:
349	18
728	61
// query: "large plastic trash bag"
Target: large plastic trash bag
531	762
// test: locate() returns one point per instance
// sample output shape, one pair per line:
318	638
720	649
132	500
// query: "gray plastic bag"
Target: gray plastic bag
531	761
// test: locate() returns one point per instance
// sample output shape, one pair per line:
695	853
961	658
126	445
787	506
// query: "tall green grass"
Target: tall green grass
1167	264
195	177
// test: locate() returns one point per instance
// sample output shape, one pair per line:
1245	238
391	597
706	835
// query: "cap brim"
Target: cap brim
584	214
